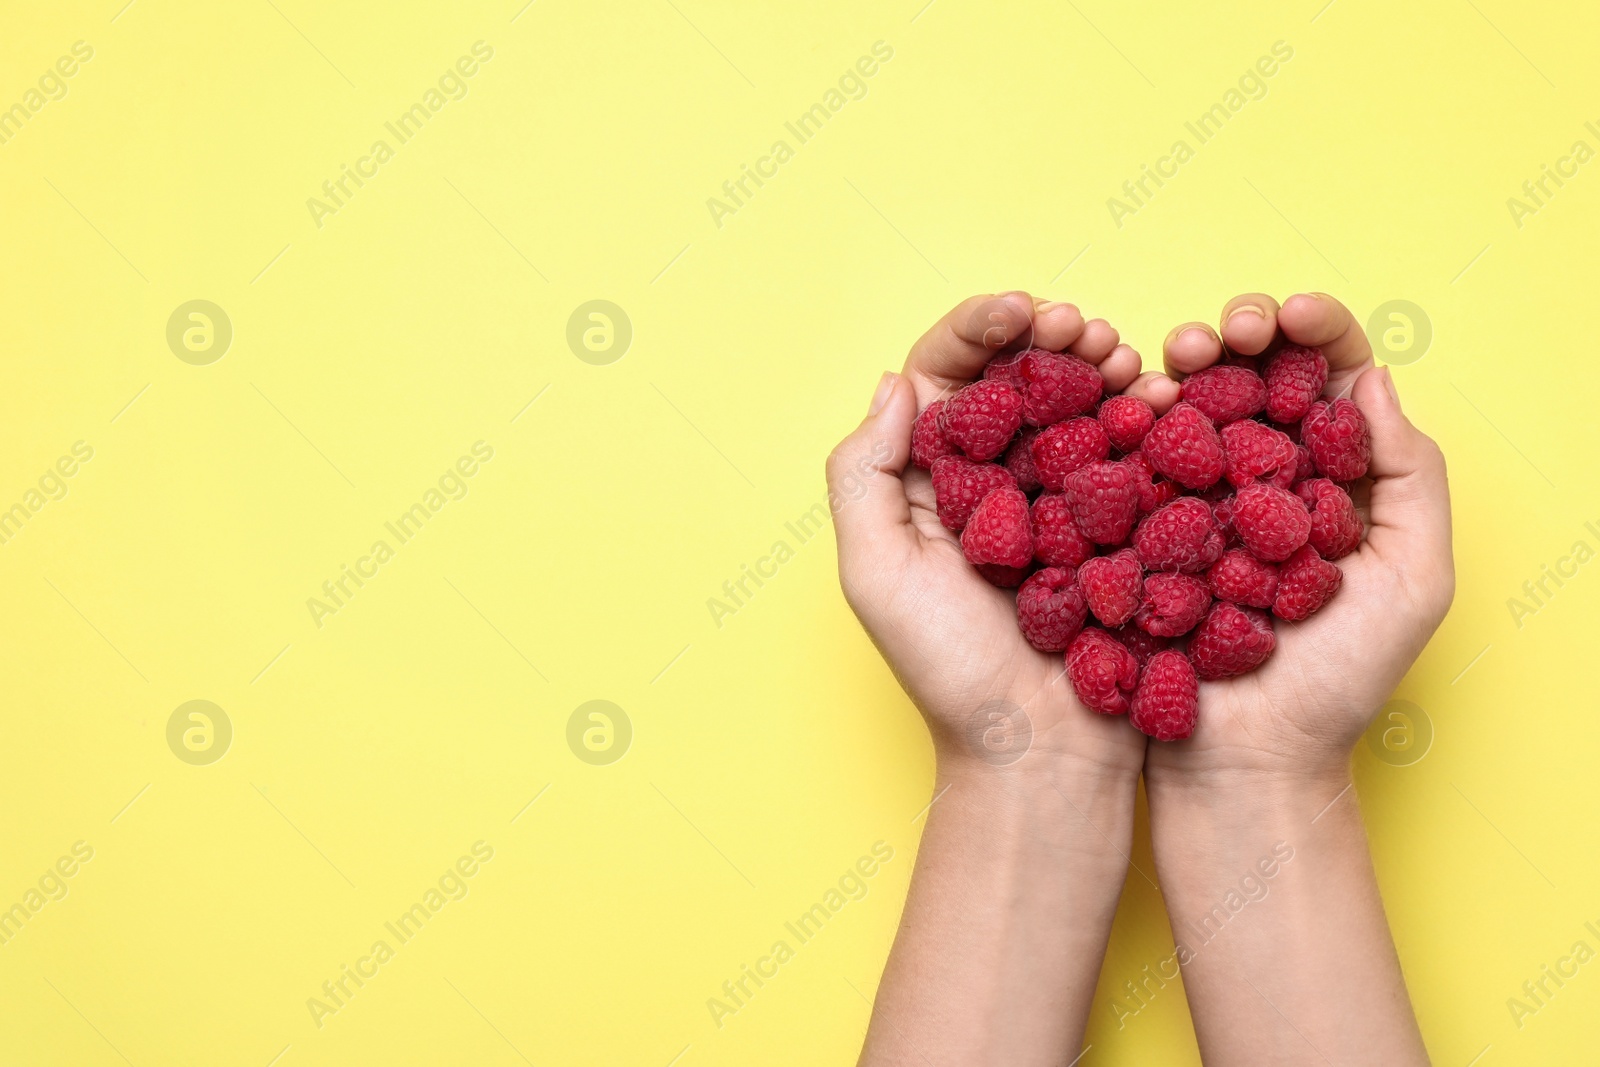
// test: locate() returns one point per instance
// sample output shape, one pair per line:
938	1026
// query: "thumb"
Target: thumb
865	493
1410	494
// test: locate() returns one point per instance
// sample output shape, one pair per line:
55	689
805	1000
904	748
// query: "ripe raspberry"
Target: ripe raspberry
1003	577
1055	387
1335	526
1225	394
1019	461
1179	536
1141	644
1112	586
1063	448
1167	702
1305	467
1104	501
1172	604
998	531
1126	419
1222	515
1102	671
1231	640
1153	491
1057	541
1005	368
1185	447
1336	433
959	485
1254	450
928	442
1271	522
982	418
1305	582
1240	578
1050	609
1295	377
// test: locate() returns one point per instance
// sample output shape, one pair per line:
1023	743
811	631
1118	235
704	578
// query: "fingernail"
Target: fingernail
885	387
1246	309
1195	334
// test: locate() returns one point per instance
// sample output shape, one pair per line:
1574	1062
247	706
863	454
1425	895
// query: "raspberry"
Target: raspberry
1104	501
1225	394
998	531
1050	609
1335	526
1305	582
1019	461
1005	369
1055	387
1305	467
1254	450
1063	448
1222	515
1102	671
1057	541
1336	433
1004	577
981	418
1179	536
1153	491
1231	640
1141	644
1271	522
1126	419
959	485
1172	604
928	442
1240	578
1185	447
1295	377
1167	702
1112	586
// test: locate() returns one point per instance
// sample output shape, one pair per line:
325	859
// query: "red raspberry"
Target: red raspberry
928	442
1336	433
1063	448
1057	541
1271	522
1004	577
1104	501
1305	582
1179	536
1222	515
1126	419
1005	369
1305	467
1055	387
1295	377
982	418
1185	447
1050	609
1102	671
1019	461
1254	450
1153	491
1225	394
1172	604
1335	526
1141	644
998	531
1231	640
1242	579
1112	586
959	485
1167	702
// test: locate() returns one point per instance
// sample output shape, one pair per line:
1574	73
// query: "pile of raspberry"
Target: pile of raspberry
1153	552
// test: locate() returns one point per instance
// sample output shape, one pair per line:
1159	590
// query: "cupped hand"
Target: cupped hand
950	637
1306	707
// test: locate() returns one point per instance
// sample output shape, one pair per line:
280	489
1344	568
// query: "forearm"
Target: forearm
1005	926
1286	953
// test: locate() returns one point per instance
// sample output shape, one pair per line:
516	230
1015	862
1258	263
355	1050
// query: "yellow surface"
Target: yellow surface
370	353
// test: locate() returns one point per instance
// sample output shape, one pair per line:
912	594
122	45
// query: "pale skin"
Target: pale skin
1023	859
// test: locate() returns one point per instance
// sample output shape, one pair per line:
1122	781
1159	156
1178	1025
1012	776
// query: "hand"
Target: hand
950	637
1305	709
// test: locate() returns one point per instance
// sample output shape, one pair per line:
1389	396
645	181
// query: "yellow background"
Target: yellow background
772	751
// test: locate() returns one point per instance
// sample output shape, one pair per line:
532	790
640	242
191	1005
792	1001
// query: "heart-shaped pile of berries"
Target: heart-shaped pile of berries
1153	551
